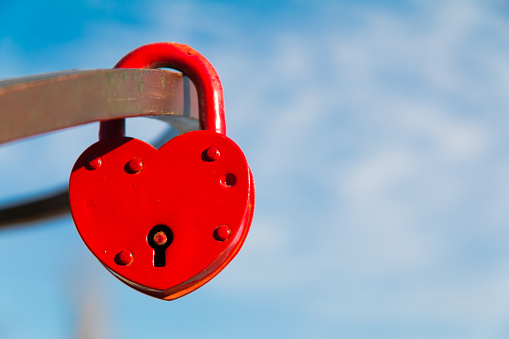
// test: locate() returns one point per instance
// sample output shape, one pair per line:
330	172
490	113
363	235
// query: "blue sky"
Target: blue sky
377	134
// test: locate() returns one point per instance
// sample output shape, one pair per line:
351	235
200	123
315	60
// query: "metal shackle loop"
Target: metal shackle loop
188	61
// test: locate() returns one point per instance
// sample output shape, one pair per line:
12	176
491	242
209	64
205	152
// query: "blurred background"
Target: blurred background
378	137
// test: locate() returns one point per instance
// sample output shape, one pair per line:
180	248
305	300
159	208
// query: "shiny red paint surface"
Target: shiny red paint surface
165	221
114	210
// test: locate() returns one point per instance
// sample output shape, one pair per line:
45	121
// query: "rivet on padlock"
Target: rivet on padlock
165	221
211	154
135	165
93	162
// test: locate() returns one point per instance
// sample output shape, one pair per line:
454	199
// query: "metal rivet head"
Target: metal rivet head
222	233
160	238
93	162
124	258
211	154
135	165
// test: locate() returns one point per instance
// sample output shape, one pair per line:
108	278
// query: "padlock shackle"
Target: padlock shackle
188	61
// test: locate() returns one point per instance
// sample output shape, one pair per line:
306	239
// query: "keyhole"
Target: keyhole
159	238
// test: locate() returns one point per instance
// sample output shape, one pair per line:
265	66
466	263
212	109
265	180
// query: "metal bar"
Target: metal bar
40	104
46	207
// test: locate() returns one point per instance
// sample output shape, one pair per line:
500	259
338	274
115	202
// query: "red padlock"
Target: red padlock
165	221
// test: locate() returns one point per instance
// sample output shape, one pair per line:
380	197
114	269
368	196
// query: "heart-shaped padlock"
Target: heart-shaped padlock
165	221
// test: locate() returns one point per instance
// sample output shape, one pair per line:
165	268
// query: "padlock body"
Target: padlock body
136	187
